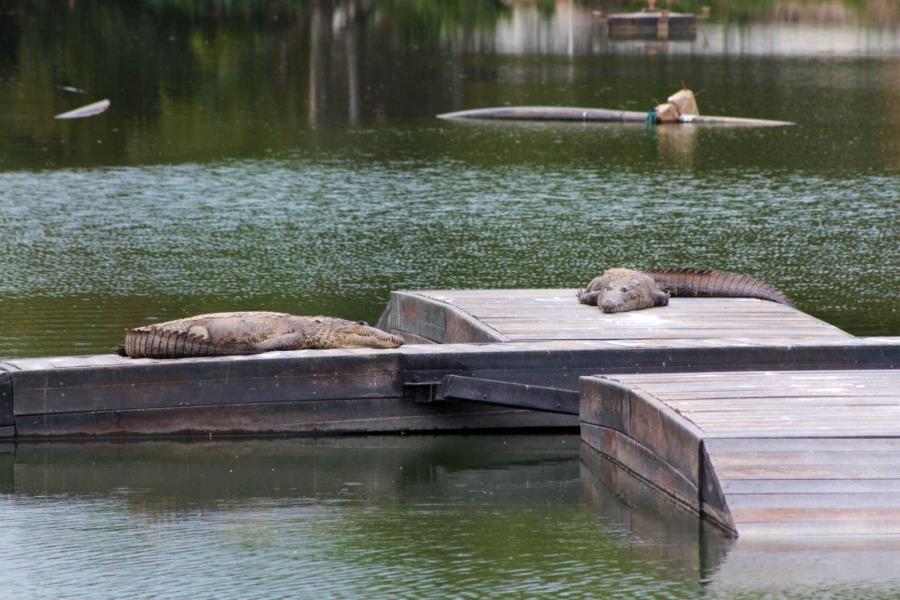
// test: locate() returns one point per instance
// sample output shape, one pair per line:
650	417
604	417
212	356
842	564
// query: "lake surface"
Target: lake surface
286	156
393	516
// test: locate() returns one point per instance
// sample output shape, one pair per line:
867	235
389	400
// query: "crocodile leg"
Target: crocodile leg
660	298
288	341
590	298
200	331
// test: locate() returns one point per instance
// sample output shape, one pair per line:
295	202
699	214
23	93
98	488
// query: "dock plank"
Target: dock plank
810	486
305	417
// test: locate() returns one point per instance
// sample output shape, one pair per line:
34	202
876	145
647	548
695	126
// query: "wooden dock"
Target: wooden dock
485	360
754	414
327	392
464	316
760	453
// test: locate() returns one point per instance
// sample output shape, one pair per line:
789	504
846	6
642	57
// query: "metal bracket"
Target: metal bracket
424	393
488	391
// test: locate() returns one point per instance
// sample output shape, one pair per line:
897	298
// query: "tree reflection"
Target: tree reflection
200	80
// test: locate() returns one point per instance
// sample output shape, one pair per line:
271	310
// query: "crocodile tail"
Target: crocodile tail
705	282
147	342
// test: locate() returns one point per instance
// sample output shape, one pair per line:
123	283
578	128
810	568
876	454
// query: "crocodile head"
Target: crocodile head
359	334
625	289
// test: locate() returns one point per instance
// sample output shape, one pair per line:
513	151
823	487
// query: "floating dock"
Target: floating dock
473	359
760	453
754	414
419	387
596	115
763	453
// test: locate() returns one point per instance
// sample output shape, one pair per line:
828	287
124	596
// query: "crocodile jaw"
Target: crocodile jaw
361	335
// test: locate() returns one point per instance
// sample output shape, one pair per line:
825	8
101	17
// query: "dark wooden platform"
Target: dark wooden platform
760	417
326	392
478	353
761	453
463	316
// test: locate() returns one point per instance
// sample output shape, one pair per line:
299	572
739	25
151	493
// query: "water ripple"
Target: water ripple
329	236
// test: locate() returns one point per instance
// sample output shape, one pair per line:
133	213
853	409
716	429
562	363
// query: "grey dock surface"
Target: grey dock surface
462	316
761	453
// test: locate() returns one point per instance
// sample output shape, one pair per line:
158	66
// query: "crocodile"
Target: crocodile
219	334
619	290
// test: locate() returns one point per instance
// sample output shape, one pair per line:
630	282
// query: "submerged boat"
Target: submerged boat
571	113
681	107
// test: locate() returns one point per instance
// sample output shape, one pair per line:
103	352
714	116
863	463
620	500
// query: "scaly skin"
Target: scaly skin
619	290
703	282
219	334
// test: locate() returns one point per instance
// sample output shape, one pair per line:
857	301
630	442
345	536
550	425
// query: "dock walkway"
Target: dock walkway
761	453
481	345
463	316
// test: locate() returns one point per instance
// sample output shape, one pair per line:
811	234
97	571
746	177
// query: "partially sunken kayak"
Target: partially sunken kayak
90	110
680	107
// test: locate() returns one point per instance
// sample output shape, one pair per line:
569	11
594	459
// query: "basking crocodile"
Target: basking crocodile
219	334
619	290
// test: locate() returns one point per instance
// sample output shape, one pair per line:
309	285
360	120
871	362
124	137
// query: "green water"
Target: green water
285	155
393	516
414	517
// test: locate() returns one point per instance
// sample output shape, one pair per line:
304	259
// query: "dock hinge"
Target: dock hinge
423	385
504	393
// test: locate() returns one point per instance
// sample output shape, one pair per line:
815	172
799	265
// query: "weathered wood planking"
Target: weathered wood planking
356	391
304	417
360	391
463	316
759	452
560	363
302	392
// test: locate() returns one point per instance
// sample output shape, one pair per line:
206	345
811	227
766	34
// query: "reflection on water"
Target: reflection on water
678	145
811	567
779	28
392	516
670	533
412	516
205	80
835	568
